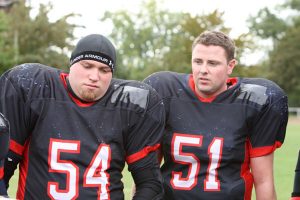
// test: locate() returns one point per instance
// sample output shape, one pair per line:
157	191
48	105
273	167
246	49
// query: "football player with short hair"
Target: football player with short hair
4	143
296	190
220	132
71	133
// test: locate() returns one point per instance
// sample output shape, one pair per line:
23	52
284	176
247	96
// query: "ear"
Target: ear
231	66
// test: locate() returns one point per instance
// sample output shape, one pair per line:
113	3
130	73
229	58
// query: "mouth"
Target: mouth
202	80
91	86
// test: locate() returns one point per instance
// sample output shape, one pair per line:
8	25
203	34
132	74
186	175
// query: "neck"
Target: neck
70	90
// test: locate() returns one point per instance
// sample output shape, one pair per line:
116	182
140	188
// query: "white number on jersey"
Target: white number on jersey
211	182
94	176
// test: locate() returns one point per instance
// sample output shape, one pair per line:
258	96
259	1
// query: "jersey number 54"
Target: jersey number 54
94	176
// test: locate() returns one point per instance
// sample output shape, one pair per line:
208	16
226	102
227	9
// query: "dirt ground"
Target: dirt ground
294	120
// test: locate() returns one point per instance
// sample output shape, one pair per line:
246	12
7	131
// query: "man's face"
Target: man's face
90	79
210	70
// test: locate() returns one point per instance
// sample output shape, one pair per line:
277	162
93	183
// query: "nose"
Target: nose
203	68
94	74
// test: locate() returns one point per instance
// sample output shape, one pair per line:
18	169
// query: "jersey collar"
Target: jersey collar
79	102
230	83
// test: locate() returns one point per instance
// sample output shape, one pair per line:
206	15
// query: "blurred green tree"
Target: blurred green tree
283	63
4	54
154	39
34	39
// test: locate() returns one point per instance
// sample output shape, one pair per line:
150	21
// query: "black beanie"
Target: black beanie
95	47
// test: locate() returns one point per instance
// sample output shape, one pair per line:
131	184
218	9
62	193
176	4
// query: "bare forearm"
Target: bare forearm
262	170
265	191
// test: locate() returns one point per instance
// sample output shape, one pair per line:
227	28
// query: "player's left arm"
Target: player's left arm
148	181
267	134
143	142
262	170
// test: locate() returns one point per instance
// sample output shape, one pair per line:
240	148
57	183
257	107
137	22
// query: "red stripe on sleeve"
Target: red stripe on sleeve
1	172
23	166
261	151
295	198
16	147
246	174
141	154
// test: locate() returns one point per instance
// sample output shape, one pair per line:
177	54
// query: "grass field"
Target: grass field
285	163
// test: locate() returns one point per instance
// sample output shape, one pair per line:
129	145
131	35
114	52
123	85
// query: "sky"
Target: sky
236	12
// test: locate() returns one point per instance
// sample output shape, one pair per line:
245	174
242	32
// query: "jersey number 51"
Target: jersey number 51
211	182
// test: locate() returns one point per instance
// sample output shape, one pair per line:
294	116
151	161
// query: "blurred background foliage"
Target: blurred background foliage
154	39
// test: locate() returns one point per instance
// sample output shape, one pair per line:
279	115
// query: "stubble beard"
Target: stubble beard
204	90
88	96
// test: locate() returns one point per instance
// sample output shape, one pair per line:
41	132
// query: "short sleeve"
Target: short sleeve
13	106
269	128
145	136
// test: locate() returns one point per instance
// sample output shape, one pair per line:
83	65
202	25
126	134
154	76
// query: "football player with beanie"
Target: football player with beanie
72	133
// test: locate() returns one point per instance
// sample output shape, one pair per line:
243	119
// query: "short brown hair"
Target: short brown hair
216	38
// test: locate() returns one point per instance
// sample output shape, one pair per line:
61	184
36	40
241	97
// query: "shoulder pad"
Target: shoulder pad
130	94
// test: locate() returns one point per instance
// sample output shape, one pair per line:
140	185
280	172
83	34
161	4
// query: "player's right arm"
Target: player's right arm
15	88
4	142
4	136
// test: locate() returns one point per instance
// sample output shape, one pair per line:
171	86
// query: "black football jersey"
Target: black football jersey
208	143
4	142
296	188
1	169
76	150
